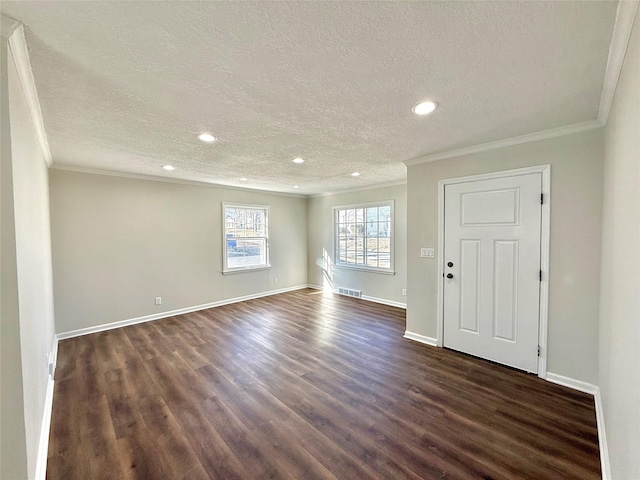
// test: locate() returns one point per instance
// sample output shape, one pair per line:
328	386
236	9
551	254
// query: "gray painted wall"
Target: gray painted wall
25	224
33	249
13	446
576	211
377	285
120	242
620	292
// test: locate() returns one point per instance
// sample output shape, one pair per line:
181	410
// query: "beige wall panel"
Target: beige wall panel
120	242
320	218
620	293
576	210
28	203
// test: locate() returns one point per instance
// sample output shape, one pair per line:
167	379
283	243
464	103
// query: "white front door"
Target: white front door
492	267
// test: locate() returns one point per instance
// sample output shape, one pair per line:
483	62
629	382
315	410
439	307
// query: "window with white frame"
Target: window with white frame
246	237
363	236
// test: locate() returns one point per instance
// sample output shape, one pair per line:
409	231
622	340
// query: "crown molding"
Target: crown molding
508	142
622	28
7	26
20	52
179	181
358	189
153	178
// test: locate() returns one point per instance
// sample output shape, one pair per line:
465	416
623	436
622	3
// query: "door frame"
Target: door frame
545	225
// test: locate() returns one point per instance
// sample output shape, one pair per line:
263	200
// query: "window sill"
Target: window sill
246	269
364	269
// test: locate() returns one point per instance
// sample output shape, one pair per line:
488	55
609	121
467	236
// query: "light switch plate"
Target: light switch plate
427	252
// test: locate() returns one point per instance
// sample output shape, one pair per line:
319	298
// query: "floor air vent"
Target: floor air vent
350	293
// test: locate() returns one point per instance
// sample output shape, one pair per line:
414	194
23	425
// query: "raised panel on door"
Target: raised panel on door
492	239
490	208
469	291
505	293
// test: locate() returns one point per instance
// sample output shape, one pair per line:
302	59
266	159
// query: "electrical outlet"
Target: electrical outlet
275	280
51	367
404	292
158	300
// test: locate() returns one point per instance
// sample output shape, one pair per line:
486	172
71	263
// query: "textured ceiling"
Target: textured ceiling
126	86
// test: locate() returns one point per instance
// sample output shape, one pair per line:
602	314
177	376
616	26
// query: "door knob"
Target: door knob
449	264
449	275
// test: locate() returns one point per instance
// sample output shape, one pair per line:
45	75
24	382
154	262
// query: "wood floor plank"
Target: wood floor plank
66	360
258	417
305	385
178	456
273	409
138	458
98	440
256	463
124	418
65	458
216	457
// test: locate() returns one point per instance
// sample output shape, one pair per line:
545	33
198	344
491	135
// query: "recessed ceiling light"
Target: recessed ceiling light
168	167
206	137
243	179
355	174
298	160
424	108
296	186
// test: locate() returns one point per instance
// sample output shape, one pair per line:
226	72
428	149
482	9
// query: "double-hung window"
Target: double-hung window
246	237
363	236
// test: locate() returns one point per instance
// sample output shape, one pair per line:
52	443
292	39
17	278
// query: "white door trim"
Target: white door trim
545	170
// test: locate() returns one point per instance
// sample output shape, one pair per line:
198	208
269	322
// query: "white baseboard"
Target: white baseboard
43	446
572	383
602	438
384	301
597	398
157	316
420	338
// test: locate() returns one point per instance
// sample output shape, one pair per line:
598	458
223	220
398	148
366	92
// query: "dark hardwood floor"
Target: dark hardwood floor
304	386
